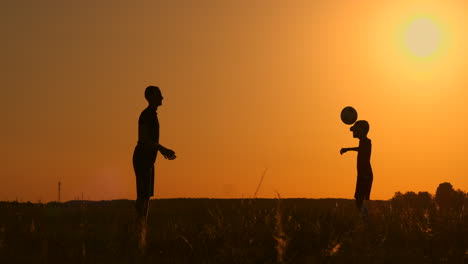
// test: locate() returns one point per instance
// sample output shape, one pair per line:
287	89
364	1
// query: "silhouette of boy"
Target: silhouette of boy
146	151
364	169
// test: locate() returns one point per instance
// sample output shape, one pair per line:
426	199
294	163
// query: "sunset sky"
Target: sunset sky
248	86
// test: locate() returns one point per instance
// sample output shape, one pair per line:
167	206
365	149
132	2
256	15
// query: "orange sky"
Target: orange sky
248	86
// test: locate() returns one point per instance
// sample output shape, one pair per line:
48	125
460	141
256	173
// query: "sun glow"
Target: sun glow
423	37
417	48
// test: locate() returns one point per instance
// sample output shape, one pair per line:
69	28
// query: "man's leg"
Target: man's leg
146	209
139	207
142	216
142	208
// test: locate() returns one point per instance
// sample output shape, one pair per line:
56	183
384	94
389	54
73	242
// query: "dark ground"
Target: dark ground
232	231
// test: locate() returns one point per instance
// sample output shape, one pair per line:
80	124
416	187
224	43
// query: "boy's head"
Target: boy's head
360	129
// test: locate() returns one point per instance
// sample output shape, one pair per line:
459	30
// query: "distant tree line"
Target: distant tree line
445	201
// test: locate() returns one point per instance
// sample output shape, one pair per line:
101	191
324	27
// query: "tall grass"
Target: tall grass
232	231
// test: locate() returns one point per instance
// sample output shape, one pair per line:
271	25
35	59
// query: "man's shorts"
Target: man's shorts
143	164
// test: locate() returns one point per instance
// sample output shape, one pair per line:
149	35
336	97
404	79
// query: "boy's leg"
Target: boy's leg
362	209
359	203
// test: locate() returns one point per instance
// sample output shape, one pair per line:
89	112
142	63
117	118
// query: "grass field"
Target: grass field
232	231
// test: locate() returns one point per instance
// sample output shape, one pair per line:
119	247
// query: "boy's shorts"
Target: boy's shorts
363	188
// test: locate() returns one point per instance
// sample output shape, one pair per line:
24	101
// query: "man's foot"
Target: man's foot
142	235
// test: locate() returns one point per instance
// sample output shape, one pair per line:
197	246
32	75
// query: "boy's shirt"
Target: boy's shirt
363	159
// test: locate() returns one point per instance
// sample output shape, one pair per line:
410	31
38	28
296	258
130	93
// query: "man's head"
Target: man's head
360	129
153	95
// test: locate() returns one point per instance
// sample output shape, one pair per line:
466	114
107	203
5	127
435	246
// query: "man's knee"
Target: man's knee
143	198
141	202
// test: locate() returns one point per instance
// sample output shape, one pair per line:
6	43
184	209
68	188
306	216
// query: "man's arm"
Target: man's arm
167	153
344	150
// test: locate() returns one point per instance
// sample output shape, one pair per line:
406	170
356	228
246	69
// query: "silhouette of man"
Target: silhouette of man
364	169
146	151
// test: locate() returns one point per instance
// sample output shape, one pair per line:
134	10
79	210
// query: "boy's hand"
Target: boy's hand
167	153
343	150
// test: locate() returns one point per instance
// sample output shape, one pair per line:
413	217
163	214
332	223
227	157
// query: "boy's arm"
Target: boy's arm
344	150
353	149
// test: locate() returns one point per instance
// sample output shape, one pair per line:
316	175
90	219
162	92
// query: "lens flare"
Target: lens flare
423	37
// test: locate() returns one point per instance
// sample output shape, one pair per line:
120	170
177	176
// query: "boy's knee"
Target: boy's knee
359	202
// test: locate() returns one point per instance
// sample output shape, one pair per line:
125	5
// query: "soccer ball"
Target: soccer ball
349	115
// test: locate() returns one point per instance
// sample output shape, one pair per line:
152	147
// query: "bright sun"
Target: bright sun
422	37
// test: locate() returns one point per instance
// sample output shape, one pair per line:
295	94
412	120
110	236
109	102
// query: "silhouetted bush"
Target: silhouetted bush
445	197
460	200
412	202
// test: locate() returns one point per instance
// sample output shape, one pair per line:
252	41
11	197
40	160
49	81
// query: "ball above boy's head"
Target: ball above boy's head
360	129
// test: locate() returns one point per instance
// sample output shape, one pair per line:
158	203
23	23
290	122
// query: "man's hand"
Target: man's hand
343	150
167	153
